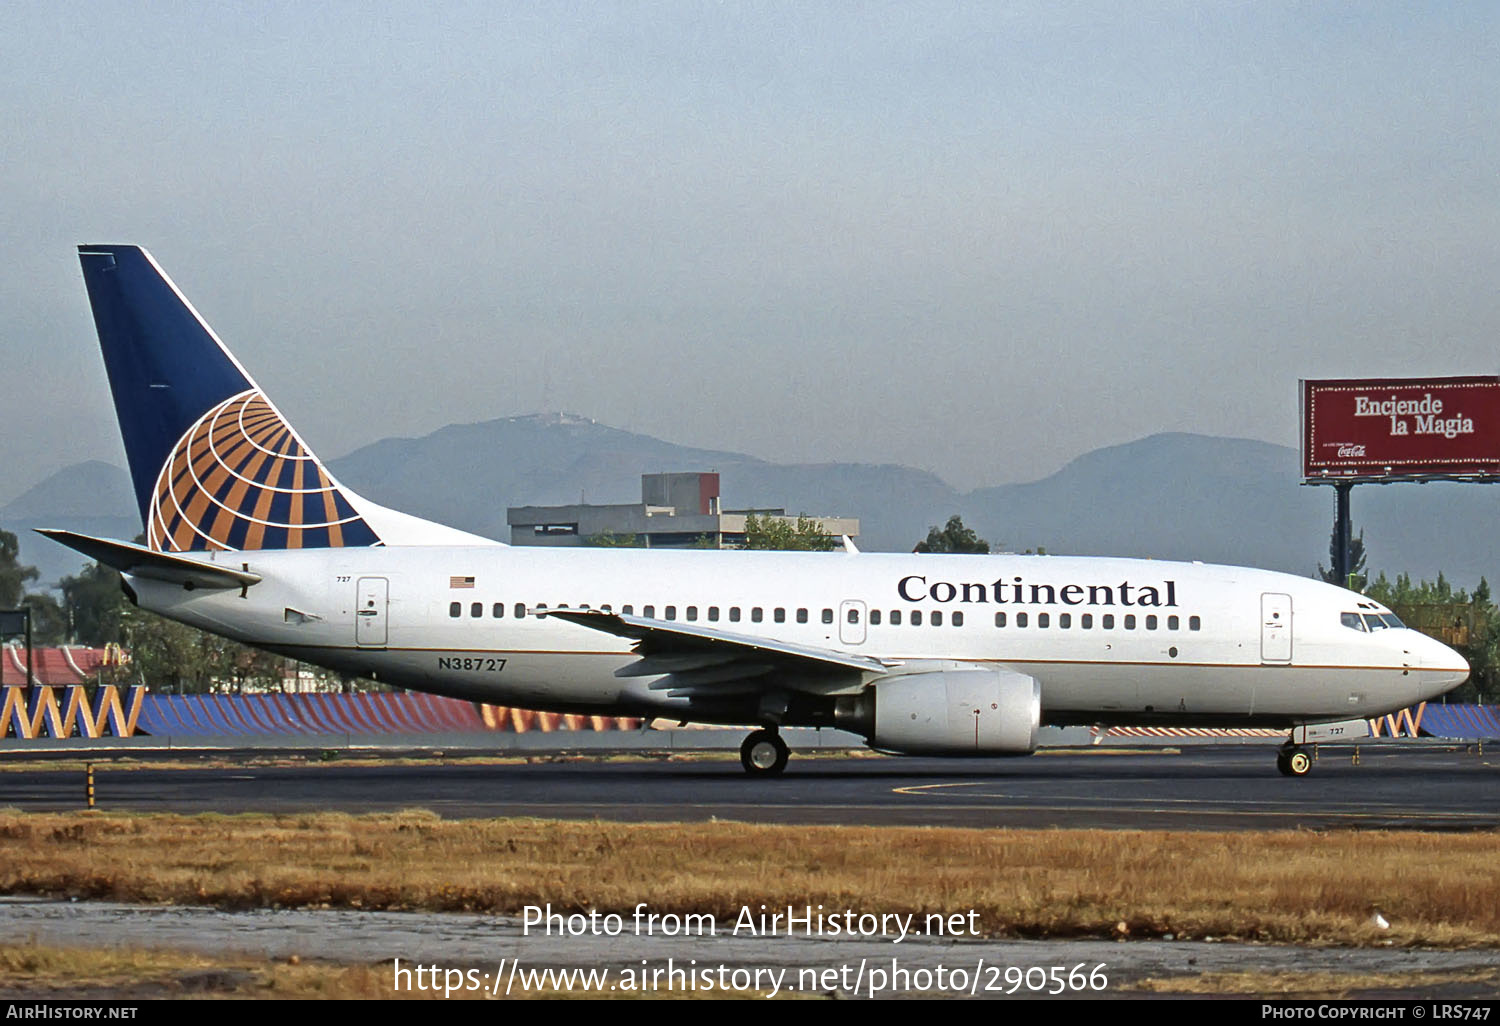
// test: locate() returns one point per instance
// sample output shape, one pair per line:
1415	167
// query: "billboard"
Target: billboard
1394	428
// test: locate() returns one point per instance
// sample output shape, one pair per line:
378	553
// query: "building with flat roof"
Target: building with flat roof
676	511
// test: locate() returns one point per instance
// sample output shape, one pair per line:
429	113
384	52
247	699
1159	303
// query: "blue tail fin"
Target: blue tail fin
214	463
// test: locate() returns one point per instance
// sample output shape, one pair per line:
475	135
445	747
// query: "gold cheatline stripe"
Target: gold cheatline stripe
1042	662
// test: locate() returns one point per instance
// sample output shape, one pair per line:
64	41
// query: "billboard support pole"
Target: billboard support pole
1342	531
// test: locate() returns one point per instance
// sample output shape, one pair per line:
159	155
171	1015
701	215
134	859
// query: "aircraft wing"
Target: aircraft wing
697	661
139	561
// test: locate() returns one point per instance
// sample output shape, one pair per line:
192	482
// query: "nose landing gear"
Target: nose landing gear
764	754
1293	761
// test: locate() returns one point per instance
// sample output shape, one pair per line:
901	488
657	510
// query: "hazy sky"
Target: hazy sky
978	239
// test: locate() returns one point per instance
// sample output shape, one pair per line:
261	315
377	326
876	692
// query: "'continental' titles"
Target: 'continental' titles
916	588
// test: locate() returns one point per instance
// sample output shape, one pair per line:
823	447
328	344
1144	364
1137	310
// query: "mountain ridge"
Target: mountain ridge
1171	495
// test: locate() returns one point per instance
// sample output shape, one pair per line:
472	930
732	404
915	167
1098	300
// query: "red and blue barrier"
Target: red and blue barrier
68	711
59	712
313	714
1470	722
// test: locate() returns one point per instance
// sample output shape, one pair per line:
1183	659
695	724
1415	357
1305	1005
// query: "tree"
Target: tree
772	532
1468	623
953	537
611	540
49	624
95	604
13	576
171	656
1357	577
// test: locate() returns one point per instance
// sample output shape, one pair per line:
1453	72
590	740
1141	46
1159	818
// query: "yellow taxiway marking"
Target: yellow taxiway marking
1196	806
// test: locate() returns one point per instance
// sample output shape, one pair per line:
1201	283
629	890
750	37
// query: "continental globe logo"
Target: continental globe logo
240	479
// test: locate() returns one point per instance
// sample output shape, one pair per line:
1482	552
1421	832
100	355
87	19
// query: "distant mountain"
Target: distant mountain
1168	496
82	490
92	497
467	474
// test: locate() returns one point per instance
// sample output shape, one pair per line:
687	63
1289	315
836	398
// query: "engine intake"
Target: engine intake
948	712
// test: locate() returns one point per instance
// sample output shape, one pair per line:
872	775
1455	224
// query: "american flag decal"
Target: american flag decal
460	582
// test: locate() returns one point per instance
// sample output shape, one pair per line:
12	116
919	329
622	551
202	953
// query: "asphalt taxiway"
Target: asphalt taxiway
1234	787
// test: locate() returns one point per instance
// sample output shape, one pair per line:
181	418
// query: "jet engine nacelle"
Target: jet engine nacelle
949	712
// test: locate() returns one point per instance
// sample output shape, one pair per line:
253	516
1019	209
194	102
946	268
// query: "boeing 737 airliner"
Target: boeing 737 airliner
249	536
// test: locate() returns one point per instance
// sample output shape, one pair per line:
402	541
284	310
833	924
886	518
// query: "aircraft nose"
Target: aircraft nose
1442	667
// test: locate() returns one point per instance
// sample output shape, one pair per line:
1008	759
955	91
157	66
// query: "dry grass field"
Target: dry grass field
1298	887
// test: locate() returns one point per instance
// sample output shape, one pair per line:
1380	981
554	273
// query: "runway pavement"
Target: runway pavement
1236	787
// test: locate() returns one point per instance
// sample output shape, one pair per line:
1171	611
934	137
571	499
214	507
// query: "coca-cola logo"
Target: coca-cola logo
1351	451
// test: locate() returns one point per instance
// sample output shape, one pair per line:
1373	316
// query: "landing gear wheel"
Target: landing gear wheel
1293	762
764	754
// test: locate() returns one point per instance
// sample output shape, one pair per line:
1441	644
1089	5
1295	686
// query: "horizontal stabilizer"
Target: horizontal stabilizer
139	561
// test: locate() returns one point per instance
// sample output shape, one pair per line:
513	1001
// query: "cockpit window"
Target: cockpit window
1352	621
1374	622
1392	620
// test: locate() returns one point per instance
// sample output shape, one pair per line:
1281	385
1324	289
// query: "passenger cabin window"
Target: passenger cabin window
937	618
713	614
895	618
916	618
455	608
779	615
520	610
875	618
1172	623
498	610
1020	619
1065	620
734	614
853	615
1130	621
828	616
801	616
756	614
476	609
671	612
1150	623
649	612
1087	621
692	612
958	618
1043	620
1195	623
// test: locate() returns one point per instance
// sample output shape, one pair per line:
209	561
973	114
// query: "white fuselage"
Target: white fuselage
1109	640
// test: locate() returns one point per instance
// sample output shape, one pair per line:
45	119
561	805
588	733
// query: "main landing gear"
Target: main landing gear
1292	760
764	754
